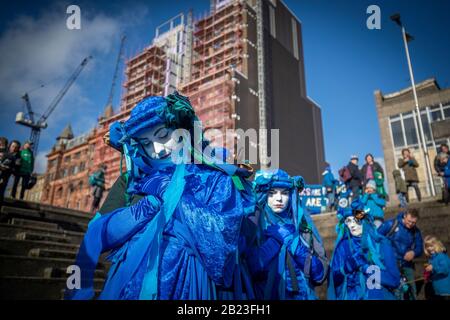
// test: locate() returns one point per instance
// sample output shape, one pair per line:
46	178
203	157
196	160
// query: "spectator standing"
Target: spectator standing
400	188
407	242
97	181
25	170
356	179
445	174
439	167
3	148
9	165
329	182
409	166
369	168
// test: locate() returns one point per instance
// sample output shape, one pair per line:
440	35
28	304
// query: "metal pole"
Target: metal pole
421	133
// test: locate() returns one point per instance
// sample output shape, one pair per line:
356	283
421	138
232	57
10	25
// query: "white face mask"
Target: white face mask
278	199
157	142
354	226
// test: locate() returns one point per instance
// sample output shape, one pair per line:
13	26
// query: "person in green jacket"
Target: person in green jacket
24	171
97	181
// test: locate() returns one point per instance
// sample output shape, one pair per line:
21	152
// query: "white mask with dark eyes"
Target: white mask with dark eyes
354	226
278	199
157	142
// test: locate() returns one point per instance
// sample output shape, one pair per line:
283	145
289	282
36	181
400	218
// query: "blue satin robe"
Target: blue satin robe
197	249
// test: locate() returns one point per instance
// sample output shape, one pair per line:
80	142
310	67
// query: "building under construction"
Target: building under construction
242	67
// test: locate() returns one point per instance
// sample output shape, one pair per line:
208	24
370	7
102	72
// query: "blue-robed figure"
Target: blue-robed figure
363	265
287	259
175	230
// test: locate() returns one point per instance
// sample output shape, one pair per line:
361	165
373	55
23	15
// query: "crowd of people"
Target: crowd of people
370	179
16	161
364	189
201	230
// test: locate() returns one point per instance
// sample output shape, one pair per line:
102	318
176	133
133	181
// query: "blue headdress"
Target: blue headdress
266	180
174	111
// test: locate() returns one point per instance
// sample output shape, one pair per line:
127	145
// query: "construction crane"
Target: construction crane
28	119
116	70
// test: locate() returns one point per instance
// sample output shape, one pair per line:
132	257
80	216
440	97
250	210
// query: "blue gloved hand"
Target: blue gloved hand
356	262
155	184
280	232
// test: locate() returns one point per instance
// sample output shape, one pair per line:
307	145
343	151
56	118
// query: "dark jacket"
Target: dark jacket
400	184
357	177
403	239
409	168
10	163
375	167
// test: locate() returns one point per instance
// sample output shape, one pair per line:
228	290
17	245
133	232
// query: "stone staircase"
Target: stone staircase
434	220
37	244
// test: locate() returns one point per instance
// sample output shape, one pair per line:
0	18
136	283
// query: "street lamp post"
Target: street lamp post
396	19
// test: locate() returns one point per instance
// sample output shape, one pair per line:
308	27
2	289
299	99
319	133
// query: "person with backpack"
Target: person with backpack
351	175
409	166
287	259
8	166
175	230
369	169
329	182
407	242
97	181
360	252
400	188
25	170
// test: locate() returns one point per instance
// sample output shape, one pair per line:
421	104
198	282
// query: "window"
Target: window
67	159
436	115
410	131
447	112
426	128
294	38
397	133
273	31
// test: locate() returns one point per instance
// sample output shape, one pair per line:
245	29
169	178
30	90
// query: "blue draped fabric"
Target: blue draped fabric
197	247
273	276
348	277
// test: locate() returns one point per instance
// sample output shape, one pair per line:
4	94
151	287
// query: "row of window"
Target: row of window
404	127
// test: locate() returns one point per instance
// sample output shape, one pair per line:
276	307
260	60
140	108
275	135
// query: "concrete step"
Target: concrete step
34	223
9	230
53	253
35	266
22	247
44	237
65	218
35	288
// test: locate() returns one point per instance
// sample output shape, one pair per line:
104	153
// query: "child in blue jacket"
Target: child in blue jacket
438	265
374	203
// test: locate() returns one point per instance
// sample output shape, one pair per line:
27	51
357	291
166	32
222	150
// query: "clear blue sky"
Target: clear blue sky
345	62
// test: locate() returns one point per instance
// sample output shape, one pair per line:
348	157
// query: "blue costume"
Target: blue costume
180	240
352	260
287	259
